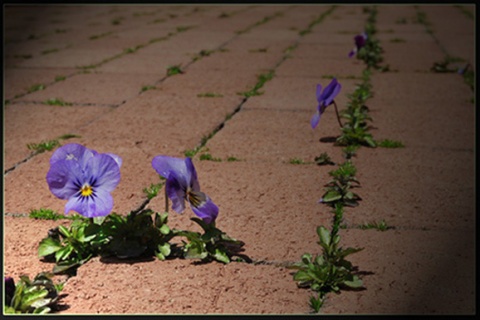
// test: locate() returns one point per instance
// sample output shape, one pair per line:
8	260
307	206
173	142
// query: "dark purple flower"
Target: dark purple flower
325	98
182	184
85	178
360	41
9	290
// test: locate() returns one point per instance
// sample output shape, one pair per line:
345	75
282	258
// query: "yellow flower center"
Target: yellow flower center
86	190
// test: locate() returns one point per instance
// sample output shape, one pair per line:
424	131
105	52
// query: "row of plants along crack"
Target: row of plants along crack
330	271
85	178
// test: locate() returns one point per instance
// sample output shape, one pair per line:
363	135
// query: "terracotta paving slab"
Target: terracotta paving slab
125	104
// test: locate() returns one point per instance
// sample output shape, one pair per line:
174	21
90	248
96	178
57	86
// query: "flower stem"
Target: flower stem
166	200
338	115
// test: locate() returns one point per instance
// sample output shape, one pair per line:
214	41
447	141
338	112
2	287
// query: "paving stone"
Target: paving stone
399	281
95	88
20	81
26	123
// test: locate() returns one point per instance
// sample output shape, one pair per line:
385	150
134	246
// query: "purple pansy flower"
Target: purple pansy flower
9	290
360	41
325	98
182	184
85	178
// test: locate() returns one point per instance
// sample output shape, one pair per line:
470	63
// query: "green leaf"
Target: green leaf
221	256
63	253
165	229
331	195
302	276
164	249
99	220
64	231
31	298
48	246
355	283
324	235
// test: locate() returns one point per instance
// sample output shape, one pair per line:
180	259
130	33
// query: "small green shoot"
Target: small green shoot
296	161
36	87
173	70
146	88
49	214
209	95
57	102
37	296
386	143
59	78
380	226
207	156
43	146
324	159
152	191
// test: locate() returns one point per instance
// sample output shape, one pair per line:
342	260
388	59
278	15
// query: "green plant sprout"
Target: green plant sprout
212	244
37	296
49	214
296	161
324	159
338	190
209	95
380	226
262	78
57	102
329	271
173	70
387	143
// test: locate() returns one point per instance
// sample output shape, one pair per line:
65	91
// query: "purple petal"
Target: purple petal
117	159
193	183
353	52
206	210
315	120
319	92
176	193
164	165
72	151
331	91
103	172
64	177
99	205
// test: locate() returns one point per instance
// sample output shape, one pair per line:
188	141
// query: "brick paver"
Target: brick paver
110	64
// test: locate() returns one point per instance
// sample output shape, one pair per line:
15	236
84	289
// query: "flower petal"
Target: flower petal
353	52
176	193
203	207
103	172
117	159
319	92
193	181
64	178
98	205
315	119
73	151
331	91
165	164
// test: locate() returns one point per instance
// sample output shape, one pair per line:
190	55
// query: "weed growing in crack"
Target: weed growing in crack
49	214
380	226
37	296
152	191
209	95
173	70
329	271
146	88
36	87
98	36
207	156
57	102
324	159
262	78
338	190
43	146
387	143
59	78
296	161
